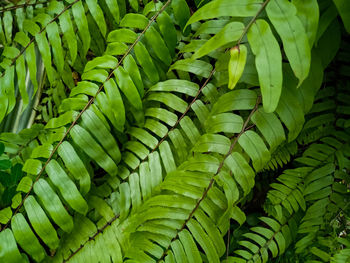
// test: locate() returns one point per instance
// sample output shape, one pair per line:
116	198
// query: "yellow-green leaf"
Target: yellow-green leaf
238	58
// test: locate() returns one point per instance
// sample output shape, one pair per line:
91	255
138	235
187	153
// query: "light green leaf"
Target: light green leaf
134	21
26	238
8	248
269	125
268	60
230	33
21	76
98	15
98	129
255	147
181	13
103	62
41	223
88	144
204	241
66	187
66	26
128	87
283	15
82	25
235	100
32	166
75	166
53	205
116	100
131	67
212	143
113	7
219	8
145	60
308	12
154	39
197	67
224	122
24	185
5	215
177	85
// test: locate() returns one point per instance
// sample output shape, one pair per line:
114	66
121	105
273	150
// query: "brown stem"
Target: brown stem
252	21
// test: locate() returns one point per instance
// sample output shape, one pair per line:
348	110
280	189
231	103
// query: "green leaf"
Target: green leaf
16	200
8	247
45	52
2	148
41	223
154	39
21	75
308	12
75	166
131	67
116	100
53	205
98	129
82	25
224	122
128	87
242	172
238	57
181	13
5	215
168	31
170	100
204	241
134	21
269	125
5	164
88	144
122	35
197	67
66	187
66	26
235	100
291	114
219	8
252	143
230	33
283	15
98	16
343	7
32	166
113	7
177	85
103	62
24	185
145	60
212	143
26	238
268	60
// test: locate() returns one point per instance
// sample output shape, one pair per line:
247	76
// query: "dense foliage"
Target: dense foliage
174	131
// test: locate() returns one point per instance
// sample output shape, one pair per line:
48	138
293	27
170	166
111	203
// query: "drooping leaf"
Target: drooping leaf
283	15
268	60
